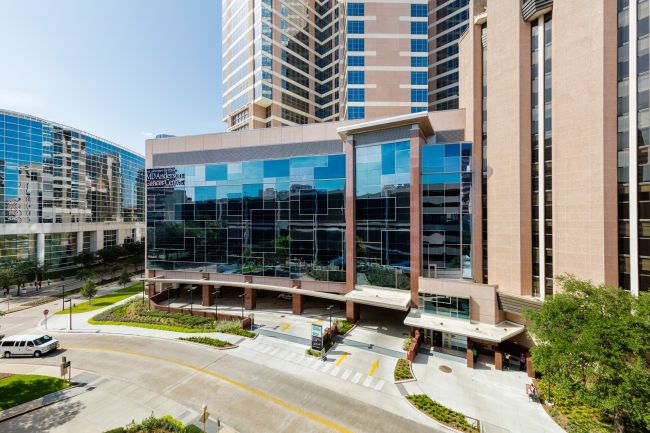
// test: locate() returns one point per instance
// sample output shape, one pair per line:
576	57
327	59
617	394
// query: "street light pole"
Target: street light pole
70	301
330	311
214	294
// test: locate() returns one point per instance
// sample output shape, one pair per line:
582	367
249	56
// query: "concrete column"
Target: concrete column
250	298
530	371
416	142
207	298
80	242
40	248
498	360
297	304
351	311
350	217
469	354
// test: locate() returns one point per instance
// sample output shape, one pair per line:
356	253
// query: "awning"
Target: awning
385	298
481	331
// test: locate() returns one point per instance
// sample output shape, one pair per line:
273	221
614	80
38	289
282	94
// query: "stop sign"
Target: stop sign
46	312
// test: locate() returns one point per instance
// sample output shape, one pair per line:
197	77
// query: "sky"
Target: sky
123	70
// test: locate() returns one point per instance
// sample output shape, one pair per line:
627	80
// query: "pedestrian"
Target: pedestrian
507	363
522	362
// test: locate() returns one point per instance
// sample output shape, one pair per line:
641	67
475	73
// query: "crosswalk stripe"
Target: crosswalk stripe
291	356
335	372
379	385
316	365
368	381
274	351
356	378
326	368
346	374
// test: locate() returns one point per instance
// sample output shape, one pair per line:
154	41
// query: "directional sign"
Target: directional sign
316	336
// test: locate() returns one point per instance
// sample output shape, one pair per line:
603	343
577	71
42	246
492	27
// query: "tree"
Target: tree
6	278
124	278
88	290
85	259
84	274
593	342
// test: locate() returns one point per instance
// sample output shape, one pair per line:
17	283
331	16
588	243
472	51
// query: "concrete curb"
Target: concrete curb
444	426
414	379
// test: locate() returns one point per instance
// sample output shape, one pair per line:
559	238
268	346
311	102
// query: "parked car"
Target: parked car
285	296
27	345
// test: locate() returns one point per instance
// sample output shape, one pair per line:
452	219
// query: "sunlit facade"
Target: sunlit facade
64	191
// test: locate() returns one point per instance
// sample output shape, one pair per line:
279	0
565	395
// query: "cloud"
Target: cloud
148	134
21	101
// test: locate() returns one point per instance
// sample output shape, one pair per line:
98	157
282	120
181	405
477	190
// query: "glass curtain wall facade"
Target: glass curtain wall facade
278	218
382	173
447	210
53	174
632	144
542	156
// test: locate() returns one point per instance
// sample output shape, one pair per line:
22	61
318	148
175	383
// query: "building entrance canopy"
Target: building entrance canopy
481	331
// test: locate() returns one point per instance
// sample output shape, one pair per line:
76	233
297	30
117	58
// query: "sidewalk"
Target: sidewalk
100	404
497	398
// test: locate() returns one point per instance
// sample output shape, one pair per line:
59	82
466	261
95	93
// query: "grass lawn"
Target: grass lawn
105	300
21	388
443	414
208	341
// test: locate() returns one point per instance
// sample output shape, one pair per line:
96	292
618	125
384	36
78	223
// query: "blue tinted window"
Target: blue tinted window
355	9
205	193
418	62
356	77
356	61
418	95
419	78
356	113
356	44
355	27
419	45
419	10
276	168
356	95
418	27
418	109
216	172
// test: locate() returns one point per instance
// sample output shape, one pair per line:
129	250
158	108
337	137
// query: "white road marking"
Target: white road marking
335	372
356	378
379	385
326	368
346	374
265	349
317	365
274	351
290	356
368	381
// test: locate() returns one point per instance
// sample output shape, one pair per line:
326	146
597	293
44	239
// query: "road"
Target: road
245	395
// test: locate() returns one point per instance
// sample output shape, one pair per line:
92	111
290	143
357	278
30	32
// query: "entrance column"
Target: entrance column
40	248
250	298
207	298
80	242
351	311
297	303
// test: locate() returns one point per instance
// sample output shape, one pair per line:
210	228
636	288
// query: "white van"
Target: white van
27	345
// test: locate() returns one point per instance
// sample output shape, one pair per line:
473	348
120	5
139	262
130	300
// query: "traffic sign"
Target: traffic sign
46	312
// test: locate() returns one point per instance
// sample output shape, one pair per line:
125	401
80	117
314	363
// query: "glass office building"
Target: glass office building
274	217
62	190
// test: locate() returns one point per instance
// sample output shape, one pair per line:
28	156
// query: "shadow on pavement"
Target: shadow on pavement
45	419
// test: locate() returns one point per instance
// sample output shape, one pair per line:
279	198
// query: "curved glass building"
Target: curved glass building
64	191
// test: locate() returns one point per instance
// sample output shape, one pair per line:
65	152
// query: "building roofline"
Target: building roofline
61	125
421	119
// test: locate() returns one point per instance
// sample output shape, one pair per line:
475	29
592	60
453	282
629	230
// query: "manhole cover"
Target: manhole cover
444	369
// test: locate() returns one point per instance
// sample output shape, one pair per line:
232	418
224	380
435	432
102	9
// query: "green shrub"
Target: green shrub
192	429
407	343
343	326
207	341
135	313
403	370
443	414
312	352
